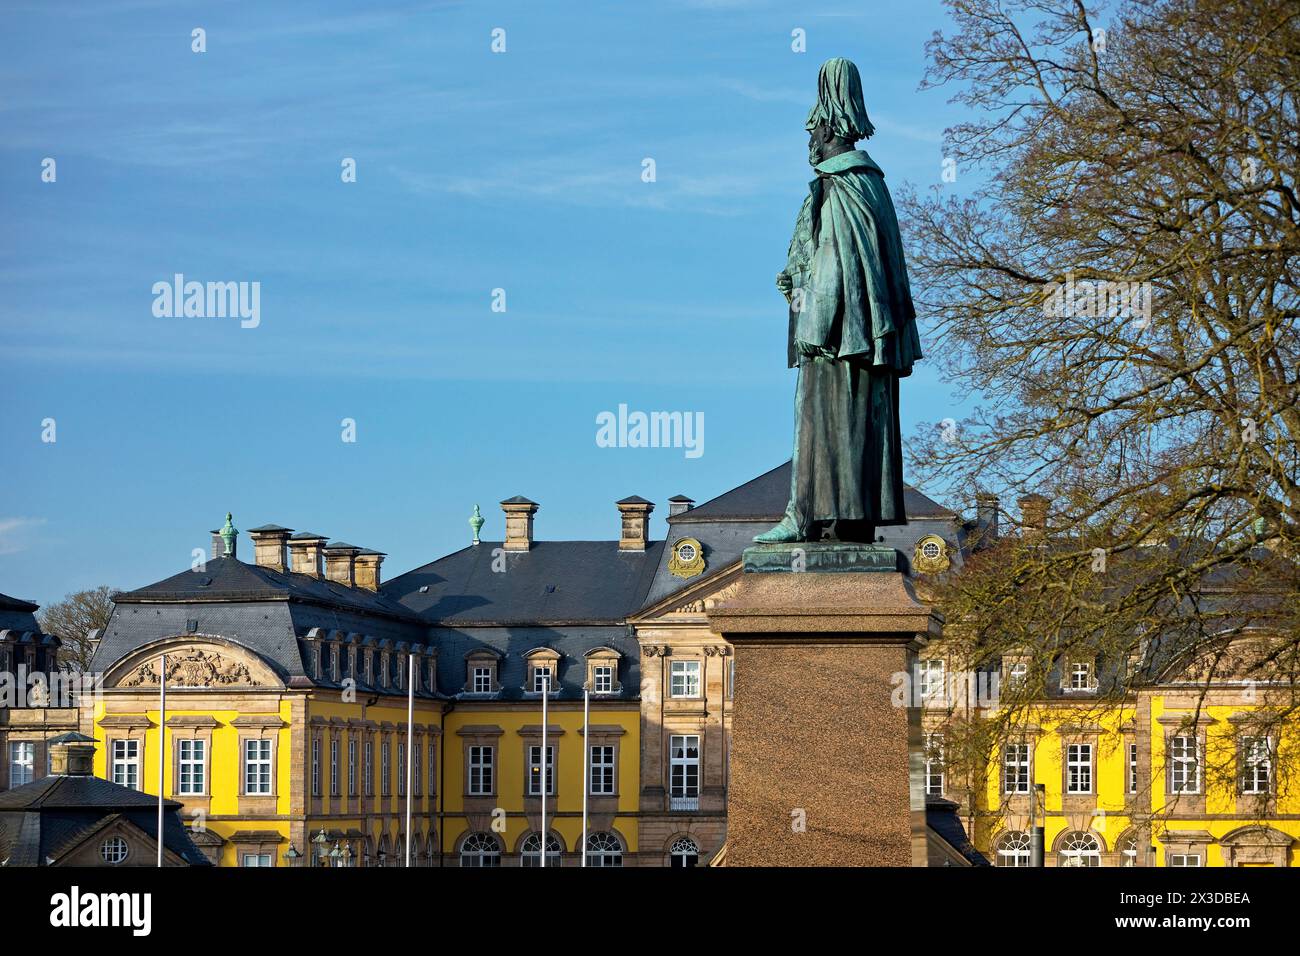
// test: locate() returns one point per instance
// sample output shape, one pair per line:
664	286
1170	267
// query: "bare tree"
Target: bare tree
1118	293
73	619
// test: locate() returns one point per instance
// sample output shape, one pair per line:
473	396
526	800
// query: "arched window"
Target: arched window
684	852
1128	849
480	849
1013	849
603	849
1080	849
530	851
429	849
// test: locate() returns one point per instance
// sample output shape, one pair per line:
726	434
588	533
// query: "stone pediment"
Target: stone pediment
695	601
193	661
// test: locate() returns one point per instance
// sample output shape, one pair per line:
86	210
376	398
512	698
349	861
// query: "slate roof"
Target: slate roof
941	817
726	525
44	818
265	610
17	614
764	499
553	583
226	578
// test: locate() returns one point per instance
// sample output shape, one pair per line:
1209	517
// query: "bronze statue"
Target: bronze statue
852	331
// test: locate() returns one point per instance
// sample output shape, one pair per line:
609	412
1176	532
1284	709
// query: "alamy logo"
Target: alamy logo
76	909
208	300
651	430
1098	298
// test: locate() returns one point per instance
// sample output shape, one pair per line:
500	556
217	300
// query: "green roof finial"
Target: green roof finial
476	523
228	533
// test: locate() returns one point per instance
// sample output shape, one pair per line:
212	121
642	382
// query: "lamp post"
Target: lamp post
1037	821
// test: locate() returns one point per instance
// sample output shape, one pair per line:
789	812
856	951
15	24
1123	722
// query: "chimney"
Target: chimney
519	522
268	546
986	518
368	563
1033	515
341	563
635	512
218	546
72	755
679	504
305	549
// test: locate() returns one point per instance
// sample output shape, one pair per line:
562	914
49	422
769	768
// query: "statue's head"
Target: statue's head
839	117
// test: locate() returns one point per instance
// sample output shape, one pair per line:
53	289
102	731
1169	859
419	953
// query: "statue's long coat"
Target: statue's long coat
852	309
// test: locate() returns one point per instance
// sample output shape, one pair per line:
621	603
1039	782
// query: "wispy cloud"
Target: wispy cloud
16	533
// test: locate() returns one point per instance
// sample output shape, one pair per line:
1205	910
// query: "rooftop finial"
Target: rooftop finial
476	523
228	534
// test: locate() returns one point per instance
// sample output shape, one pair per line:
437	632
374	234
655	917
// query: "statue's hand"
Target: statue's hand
785	284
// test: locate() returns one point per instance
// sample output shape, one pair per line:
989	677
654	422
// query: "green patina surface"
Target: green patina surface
832	556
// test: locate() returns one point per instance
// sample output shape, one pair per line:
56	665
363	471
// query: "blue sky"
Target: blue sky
475	171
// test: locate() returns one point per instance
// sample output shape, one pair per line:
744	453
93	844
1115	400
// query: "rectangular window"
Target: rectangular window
385	769
685	679
334	766
1078	768
602	770
1184	859
1184	765
22	763
482	680
934	765
257	766
1256	765
731	678
1080	675
352	766
433	769
1017	675
684	772
256	859
930	674
1015	768
401	770
315	766
126	763
1132	768
481	771
416	778
192	766
542	679
535	770
603	678
368	768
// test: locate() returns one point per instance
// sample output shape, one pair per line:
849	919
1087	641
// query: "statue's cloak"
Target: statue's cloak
852	336
851	294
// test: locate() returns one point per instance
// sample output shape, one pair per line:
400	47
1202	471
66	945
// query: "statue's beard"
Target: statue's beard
814	155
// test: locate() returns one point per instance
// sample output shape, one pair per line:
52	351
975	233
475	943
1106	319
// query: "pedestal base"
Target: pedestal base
825	771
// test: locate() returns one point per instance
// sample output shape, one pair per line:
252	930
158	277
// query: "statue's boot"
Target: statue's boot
787	530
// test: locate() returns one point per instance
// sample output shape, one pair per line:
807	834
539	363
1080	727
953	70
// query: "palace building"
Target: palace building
36	705
286	739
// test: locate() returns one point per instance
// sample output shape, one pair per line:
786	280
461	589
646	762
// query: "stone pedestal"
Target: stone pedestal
825	769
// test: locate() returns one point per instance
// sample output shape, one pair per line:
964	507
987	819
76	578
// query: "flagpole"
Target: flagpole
546	692
410	746
162	745
586	766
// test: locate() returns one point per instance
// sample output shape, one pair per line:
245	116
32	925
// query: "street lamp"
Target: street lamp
320	841
292	857
336	856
